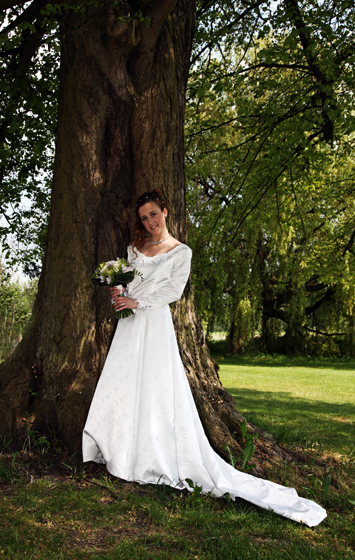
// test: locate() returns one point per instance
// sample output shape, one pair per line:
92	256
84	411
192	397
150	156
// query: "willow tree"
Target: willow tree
122	80
270	132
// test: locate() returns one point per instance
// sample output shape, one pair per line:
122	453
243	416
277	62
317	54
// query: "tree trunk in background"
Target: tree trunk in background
120	133
235	340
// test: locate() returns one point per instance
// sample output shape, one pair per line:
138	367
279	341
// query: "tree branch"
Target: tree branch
227	28
275	65
158	11
282	316
316	331
4	54
295	15
7	4
207	5
297	20
28	15
30	45
328	296
276	314
350	243
313	286
212	127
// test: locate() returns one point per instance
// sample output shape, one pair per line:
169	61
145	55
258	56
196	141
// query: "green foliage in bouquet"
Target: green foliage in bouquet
116	273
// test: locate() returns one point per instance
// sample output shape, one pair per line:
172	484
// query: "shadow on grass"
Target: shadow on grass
295	420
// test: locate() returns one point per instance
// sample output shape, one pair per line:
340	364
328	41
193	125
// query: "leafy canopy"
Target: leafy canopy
270	128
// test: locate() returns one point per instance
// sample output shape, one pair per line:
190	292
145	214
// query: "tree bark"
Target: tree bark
120	133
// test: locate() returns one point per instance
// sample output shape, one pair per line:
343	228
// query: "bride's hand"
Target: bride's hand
122	302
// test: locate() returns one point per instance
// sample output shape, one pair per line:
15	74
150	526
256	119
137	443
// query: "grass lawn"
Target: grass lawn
299	401
50	510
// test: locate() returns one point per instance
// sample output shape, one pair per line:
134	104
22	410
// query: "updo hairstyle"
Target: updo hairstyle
141	233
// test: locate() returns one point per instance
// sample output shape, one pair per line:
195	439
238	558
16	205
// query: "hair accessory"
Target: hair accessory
151	195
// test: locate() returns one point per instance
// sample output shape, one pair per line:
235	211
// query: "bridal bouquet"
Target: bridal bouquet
117	274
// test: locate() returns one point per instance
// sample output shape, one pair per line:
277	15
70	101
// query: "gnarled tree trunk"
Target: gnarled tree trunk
120	133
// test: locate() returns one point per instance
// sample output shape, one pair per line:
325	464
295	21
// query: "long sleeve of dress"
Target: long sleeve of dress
172	289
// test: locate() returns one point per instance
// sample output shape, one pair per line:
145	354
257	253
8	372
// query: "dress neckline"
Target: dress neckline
141	257
159	254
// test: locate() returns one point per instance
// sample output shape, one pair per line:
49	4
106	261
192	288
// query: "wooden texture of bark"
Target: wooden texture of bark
120	133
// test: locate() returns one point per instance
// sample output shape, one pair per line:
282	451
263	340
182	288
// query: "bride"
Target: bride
143	422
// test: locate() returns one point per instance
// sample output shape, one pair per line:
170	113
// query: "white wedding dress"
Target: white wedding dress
143	422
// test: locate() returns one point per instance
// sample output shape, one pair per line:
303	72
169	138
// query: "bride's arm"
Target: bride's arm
166	294
174	288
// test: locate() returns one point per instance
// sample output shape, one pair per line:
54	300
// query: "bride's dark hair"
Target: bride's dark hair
141	234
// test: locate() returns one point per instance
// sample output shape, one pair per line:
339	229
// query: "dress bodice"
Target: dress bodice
164	276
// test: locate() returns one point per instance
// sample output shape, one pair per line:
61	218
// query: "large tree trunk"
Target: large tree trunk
120	133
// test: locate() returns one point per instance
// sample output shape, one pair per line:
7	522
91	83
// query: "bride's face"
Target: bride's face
153	218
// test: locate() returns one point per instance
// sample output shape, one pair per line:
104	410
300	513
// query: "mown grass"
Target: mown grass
300	401
49	510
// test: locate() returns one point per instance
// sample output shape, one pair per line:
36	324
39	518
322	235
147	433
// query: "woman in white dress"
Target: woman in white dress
143	422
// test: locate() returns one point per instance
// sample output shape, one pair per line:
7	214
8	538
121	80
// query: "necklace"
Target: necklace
158	242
